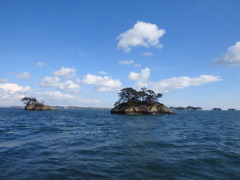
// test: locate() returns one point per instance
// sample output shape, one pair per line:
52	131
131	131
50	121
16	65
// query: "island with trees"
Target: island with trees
216	109
144	101
189	108
31	104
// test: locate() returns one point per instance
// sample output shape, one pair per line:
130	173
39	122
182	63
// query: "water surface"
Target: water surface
94	144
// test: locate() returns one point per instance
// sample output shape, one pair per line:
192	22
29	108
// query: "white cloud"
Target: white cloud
142	34
126	62
147	54
11	93
65	72
41	64
50	82
61	99
25	75
55	82
105	83
164	86
231	57
142	76
182	82
102	72
12	87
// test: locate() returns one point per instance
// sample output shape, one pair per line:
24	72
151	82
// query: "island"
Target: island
144	101
189	108
216	109
31	104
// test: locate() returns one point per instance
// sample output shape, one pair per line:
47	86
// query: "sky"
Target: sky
82	53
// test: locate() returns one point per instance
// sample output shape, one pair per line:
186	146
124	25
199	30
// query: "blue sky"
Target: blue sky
83	52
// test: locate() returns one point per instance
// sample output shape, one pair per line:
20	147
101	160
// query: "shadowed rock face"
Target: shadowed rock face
155	108
38	107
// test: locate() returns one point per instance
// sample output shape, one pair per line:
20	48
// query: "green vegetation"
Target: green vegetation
131	96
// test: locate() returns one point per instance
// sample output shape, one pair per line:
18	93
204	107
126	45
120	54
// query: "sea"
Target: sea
95	144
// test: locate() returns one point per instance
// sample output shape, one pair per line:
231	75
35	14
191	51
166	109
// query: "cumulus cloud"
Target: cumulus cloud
12	87
41	64
142	34
65	72
142	76
166	85
25	75
126	62
182	82
11	93
105	83
231	57
61	99
55	82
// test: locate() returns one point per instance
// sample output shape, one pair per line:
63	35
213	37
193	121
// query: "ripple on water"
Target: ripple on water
94	144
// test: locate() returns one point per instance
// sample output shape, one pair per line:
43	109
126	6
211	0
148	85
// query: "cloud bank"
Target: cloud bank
142	76
167	85
67	73
182	82
61	99
142	34
55	82
231	57
105	83
10	93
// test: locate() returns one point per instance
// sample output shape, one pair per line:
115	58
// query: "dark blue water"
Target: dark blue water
94	144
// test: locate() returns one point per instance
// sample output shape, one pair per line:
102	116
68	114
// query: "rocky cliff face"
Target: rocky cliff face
155	108
38	107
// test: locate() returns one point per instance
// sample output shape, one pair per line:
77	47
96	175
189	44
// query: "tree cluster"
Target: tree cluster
130	95
29	100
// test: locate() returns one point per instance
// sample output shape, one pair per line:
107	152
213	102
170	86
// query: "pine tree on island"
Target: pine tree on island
29	100
144	101
33	104
144	96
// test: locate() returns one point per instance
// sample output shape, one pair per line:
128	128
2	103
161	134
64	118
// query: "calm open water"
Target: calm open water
94	144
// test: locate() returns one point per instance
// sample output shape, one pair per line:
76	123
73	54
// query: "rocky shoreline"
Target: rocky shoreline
38	107
134	108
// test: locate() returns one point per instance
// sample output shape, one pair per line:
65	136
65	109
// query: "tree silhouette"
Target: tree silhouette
130	95
126	95
29	100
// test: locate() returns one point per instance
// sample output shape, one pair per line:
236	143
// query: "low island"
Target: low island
144	101
31	104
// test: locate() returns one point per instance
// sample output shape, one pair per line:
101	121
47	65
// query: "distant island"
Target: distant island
31	104
231	109
189	108
144	101
216	109
65	107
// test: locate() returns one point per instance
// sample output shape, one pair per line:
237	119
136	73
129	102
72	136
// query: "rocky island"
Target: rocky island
31	104
189	108
216	109
139	102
